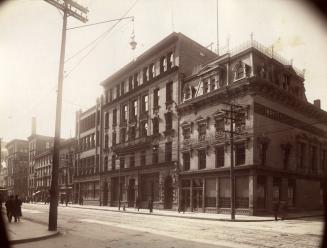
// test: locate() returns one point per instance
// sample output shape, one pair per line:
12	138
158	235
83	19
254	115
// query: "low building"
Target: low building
279	139
86	184
17	165
66	169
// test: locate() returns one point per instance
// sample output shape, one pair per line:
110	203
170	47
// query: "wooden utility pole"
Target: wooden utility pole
234	114
69	8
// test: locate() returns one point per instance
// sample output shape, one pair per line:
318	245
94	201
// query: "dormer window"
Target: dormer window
205	86
153	71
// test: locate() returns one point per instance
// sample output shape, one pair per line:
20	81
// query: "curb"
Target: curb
174	216
51	234
26	240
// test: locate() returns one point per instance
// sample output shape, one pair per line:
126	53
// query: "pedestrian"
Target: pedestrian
137	203
81	200
67	200
17	208
9	207
150	205
182	206
283	210
276	209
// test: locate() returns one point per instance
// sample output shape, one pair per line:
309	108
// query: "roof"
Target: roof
173	37
16	140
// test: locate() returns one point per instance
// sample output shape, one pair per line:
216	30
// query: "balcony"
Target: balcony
131	145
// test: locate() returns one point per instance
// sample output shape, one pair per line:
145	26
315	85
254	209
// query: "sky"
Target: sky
30	37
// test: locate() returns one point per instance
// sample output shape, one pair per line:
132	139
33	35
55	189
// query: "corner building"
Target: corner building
139	142
280	141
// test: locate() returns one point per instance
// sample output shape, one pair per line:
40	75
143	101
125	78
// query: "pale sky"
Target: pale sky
30	35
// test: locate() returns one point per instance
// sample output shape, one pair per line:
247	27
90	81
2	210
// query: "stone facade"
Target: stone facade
280	139
140	124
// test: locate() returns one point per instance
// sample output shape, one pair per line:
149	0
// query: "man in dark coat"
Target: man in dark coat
10	207
150	205
17	208
137	203
276	209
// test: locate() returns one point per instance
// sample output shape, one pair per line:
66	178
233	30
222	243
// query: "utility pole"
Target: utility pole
69	8
234	114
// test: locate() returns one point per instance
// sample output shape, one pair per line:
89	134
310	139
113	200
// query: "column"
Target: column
203	194
252	194
217	195
269	199
191	196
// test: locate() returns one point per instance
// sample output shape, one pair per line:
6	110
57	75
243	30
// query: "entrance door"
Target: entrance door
168	193
131	193
197	199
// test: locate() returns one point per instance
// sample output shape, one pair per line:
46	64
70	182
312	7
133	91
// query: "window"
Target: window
202	131
220	156
132	160
155	124
205	86
168	151
186	133
170	60
240	154
114	138
169	92
301	154
113	162
118	90
132	133
155	154
145	75
114	117
124	113
144	105
105	166
239	123
130	83
136	82
106	120
313	158
169	121
111	94
163	64
134	110
220	127
212	83
202	159
122	88
186	161
122	135
142	159
152	71
143	128
106	141
156	98
122	162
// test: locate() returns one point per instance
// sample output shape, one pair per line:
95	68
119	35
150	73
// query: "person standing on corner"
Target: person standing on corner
275	209
150	205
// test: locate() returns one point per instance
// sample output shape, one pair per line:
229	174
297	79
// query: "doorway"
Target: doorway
168	193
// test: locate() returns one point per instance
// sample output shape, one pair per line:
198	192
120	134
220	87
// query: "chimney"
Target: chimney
317	103
33	125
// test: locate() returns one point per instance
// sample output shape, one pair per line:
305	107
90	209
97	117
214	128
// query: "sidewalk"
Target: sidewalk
197	215
27	231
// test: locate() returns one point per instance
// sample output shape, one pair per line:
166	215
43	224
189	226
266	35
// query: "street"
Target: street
96	228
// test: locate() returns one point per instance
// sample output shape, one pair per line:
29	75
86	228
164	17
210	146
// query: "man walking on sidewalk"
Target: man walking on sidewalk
10	207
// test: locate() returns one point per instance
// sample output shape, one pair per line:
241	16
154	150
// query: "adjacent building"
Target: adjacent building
87	156
37	144
140	124
280	139
17	167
